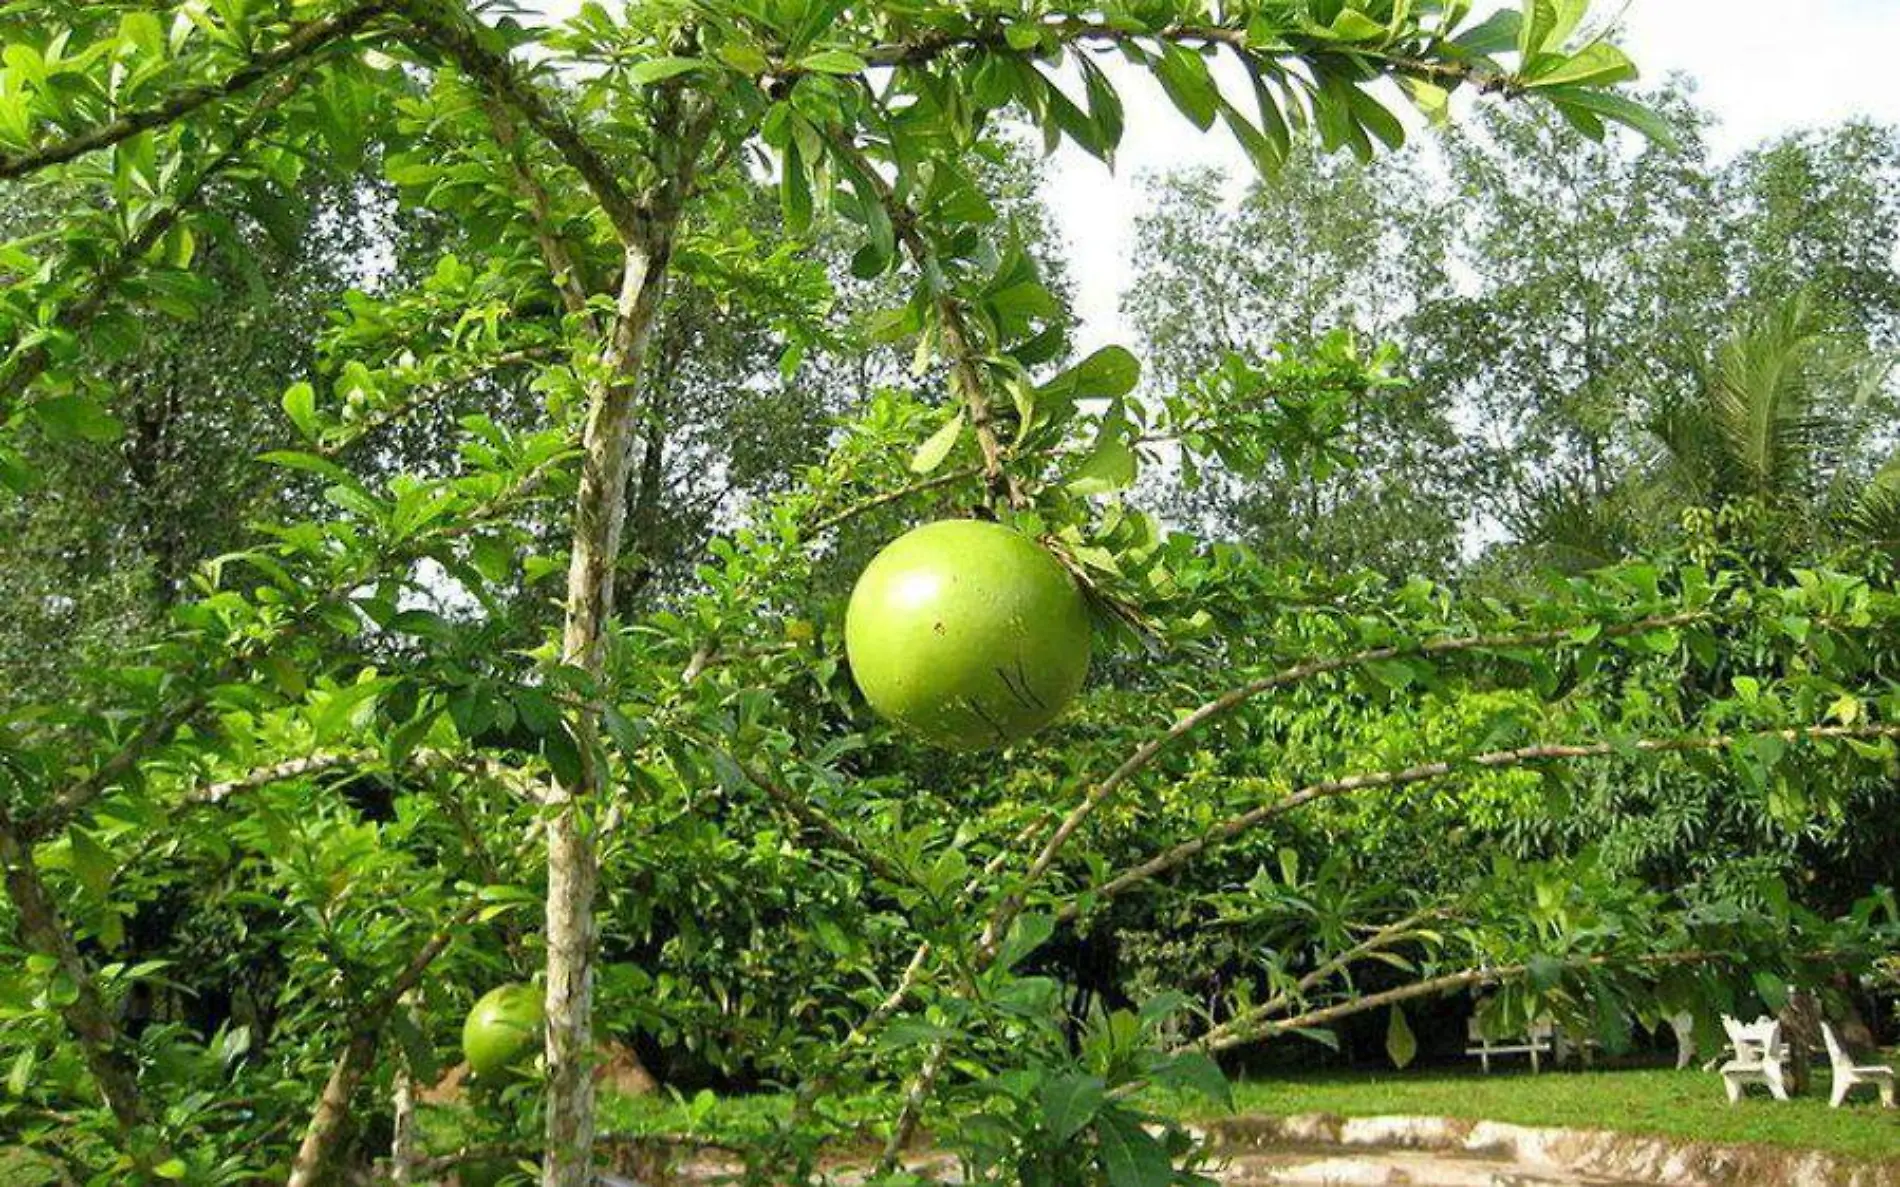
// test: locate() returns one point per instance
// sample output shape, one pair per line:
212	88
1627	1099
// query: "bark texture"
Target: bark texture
333	1107
43	931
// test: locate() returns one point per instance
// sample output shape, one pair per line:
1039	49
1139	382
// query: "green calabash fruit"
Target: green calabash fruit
967	634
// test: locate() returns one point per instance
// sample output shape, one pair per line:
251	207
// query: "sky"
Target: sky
1764	67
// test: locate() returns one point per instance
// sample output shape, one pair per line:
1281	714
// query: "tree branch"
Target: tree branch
965	363
1227	702
42	930
1250	1027
359	1054
852	512
1493	760
562	268
1076	30
501	78
19	371
303	41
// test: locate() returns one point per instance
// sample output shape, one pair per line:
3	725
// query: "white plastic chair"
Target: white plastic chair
1758	1057
1684	1026
1540	1041
1847	1073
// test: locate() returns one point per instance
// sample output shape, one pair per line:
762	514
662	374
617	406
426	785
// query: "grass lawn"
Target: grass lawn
1685	1104
1665	1102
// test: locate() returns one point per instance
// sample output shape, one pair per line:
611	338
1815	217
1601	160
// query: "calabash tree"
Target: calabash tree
583	169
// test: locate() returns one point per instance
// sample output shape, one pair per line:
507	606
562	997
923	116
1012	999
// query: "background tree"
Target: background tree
1544	336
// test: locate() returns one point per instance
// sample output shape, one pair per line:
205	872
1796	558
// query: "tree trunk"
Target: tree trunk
599	515
333	1107
44	932
404	1142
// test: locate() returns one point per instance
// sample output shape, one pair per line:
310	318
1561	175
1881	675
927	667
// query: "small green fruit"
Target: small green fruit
503	1029
967	634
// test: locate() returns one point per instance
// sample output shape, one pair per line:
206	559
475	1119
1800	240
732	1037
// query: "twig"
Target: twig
302	42
1492	760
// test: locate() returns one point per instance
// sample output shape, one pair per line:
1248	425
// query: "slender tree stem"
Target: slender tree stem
328	1120
1220	706
44	931
303	42
959	348
1186	851
447	26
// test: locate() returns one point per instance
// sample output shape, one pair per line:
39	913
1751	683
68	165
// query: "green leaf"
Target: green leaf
1373	116
1401	1045
1111	466
1129	1155
1546	972
932	452
1772	990
1110	372
300	404
1197	1072
16	474
171	1168
746	59
92	862
660	69
834	61
563	754
795	190
77	418
1598	64
1070	1102
1493	35
1184	76
1030	932
141	31
1353	25
1105	105
1023	36
416	1048
20	1077
1615	107
1534	31
1432	101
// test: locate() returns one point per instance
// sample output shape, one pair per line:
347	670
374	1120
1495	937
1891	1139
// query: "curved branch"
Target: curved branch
359	1054
563	269
71	798
1250	1027
1078	31
500	77
966	374
322	763
1227	702
43	930
19	371
799	808
1187	850
838	519
303	41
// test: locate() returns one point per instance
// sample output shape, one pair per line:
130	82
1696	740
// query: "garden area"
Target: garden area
788	592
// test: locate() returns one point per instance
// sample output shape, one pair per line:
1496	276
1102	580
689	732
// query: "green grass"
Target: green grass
1686	1104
